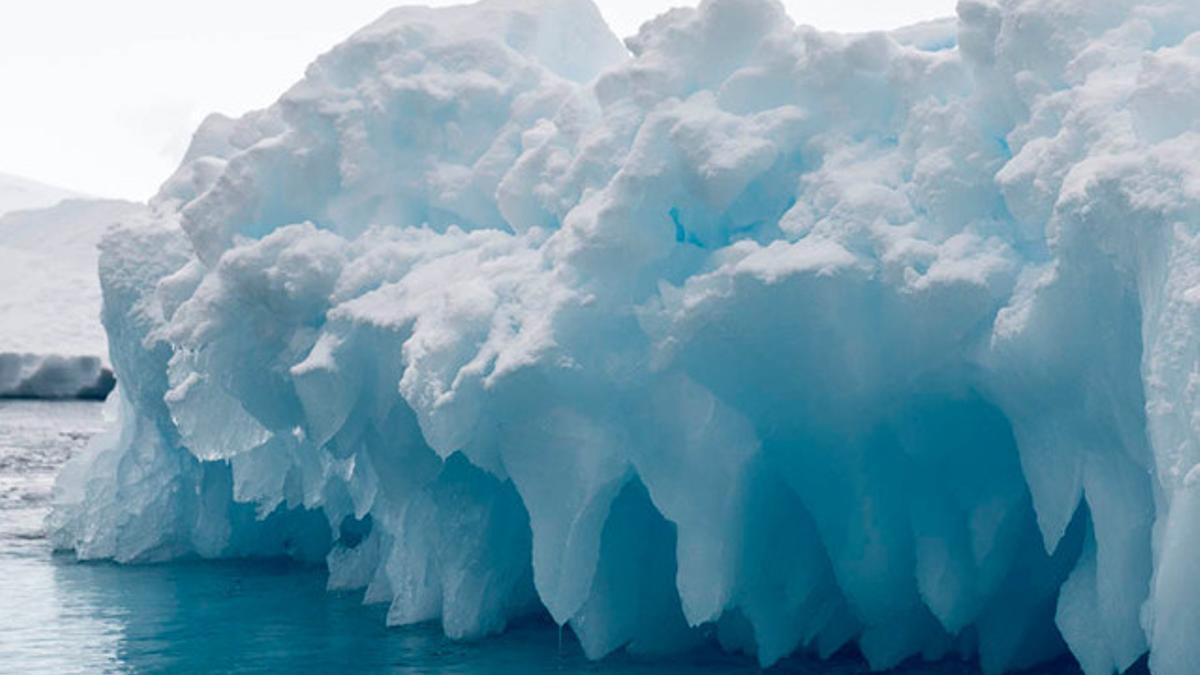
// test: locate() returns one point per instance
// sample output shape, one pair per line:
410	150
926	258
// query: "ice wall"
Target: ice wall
794	338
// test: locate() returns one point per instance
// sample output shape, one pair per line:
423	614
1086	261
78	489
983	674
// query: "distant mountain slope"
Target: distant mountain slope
17	194
51	341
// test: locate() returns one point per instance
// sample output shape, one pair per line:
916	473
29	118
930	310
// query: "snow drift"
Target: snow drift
792	338
51	342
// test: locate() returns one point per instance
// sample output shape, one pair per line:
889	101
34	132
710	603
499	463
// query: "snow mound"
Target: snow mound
792	338
51	341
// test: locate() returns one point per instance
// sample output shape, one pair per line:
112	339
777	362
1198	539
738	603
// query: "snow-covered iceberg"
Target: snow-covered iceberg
790	338
51	342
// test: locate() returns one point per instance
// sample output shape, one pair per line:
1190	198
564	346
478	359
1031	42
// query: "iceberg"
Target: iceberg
742	331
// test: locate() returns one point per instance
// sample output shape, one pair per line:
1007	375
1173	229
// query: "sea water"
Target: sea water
61	616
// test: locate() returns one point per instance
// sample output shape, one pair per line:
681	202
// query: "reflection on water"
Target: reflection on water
228	616
44	626
59	616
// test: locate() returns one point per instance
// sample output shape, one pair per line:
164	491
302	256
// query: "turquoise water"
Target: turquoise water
59	616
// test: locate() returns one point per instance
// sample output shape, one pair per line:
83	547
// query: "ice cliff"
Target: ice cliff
51	342
753	333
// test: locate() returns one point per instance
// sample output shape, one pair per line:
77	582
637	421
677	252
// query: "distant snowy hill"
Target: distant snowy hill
17	194
51	341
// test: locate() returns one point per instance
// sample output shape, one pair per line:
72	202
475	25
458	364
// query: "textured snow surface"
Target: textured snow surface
789	338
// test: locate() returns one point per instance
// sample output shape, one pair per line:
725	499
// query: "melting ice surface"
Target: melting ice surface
751	334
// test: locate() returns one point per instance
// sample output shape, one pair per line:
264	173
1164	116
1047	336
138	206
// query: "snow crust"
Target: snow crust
52	344
792	338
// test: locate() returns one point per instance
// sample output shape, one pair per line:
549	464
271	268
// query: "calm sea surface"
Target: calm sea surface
59	616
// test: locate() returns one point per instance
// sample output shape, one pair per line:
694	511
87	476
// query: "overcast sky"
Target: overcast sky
102	97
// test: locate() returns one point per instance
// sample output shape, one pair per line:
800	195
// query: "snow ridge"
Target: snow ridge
22	194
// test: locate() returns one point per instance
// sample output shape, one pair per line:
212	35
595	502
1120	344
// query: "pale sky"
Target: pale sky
102	96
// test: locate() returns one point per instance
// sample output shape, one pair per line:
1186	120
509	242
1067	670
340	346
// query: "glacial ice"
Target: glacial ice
790	338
